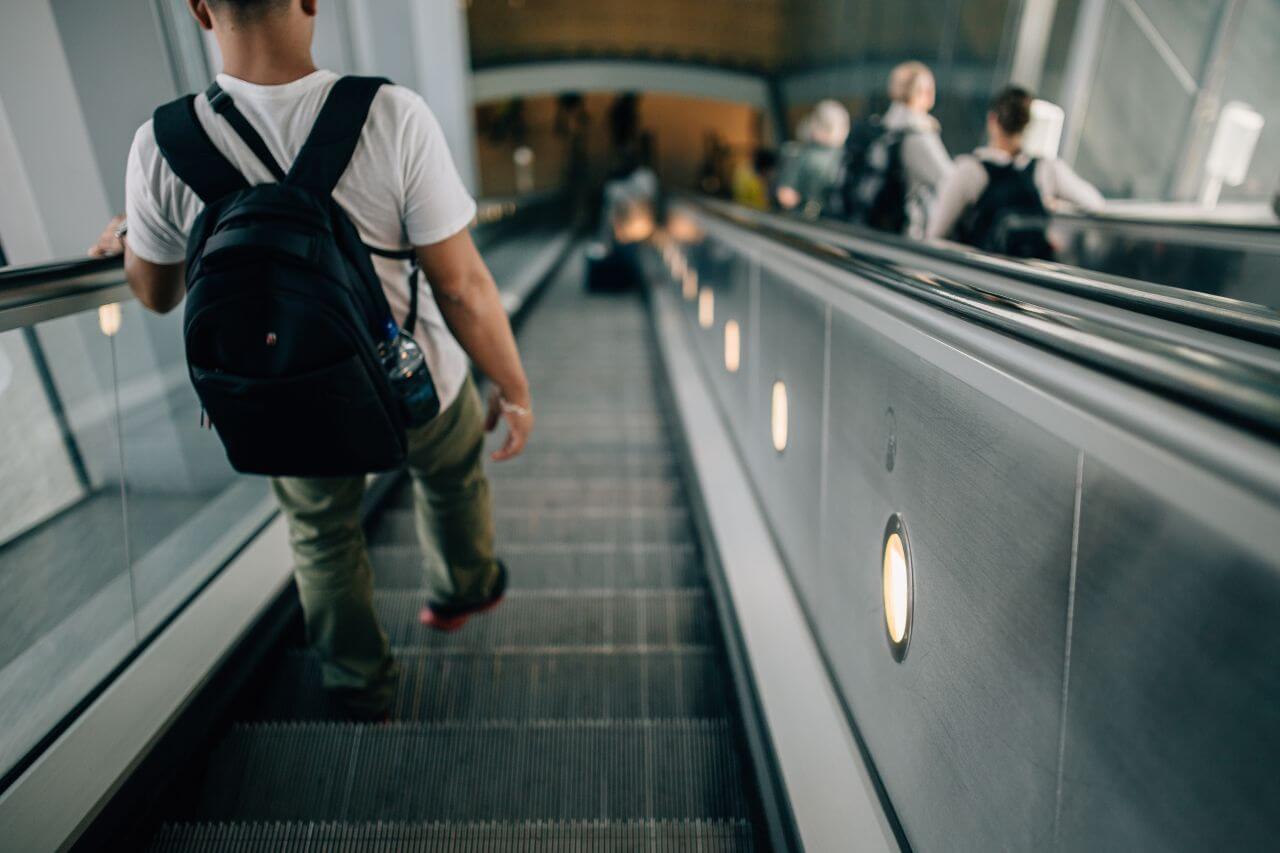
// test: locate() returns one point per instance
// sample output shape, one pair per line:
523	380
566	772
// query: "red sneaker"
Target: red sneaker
451	617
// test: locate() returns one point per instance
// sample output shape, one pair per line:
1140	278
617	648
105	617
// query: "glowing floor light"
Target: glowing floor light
706	308
896	584
732	346
109	318
778	420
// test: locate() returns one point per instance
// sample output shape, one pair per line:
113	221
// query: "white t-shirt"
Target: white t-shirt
401	189
1056	181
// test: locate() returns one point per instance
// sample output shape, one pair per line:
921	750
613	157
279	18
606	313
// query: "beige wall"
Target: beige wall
767	34
679	126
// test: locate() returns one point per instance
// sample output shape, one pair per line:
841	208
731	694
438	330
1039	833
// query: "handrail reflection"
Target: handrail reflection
1247	394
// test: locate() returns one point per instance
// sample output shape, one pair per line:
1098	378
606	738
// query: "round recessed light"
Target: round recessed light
897	586
778	419
706	308
732	346
109	318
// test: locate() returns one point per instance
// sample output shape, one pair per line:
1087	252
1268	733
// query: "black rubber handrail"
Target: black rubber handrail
33	284
1110	218
1243	394
1219	314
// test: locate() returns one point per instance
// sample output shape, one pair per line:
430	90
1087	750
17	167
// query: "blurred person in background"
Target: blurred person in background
753	179
925	161
810	168
998	199
895	163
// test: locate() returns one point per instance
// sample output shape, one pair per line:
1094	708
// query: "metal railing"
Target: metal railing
1241	390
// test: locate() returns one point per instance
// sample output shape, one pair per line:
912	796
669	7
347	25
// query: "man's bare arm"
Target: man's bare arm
159	287
472	307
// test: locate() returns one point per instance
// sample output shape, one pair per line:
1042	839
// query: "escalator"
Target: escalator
695	653
592	710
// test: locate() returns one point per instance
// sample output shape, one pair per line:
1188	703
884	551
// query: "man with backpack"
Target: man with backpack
294	209
998	199
894	164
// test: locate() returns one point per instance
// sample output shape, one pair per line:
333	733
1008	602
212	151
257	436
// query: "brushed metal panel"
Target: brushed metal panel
728	273
791	330
1173	712
964	731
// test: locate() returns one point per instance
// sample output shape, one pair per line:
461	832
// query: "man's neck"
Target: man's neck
1009	145
262	59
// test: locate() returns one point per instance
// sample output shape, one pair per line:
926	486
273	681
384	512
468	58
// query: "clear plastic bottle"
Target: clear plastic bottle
409	375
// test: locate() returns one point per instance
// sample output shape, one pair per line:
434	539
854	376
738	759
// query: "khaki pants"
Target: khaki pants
332	568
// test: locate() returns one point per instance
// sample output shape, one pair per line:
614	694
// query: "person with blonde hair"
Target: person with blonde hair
925	162
811	166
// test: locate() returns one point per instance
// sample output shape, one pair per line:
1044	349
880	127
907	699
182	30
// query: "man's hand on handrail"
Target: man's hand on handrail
109	242
159	287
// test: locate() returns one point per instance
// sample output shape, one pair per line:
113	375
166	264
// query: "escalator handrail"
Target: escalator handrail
1222	227
43	285
1244	394
1219	314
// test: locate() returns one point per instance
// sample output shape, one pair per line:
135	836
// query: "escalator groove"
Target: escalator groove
592	710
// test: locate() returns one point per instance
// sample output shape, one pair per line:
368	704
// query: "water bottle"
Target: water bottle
409	375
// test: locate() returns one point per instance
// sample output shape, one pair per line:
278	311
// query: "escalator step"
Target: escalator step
584	493
476	771
595	524
556	618
641	436
587	462
619	683
640	491
649	836
582	566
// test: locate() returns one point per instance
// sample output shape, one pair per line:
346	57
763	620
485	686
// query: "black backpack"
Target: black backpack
284	312
872	189
1009	218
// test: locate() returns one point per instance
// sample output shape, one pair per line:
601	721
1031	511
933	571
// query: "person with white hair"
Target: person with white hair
925	161
811	166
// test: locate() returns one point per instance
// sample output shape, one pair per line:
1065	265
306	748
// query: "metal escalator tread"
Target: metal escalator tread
542	566
592	710
598	836
604	683
495	770
593	524
560	618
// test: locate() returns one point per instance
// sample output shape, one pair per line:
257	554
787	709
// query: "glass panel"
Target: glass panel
1058	52
1187	26
982	28
187	508
1137	115
1253	60
66	616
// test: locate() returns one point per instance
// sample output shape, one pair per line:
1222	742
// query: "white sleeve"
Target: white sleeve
153	235
961	187
1071	188
435	204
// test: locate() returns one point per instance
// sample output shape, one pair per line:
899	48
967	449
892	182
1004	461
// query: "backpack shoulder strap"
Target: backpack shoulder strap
187	148
333	139
225	106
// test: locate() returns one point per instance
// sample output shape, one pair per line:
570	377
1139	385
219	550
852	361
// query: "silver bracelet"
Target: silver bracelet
509	408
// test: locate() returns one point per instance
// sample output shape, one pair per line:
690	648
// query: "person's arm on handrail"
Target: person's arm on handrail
472	307
159	287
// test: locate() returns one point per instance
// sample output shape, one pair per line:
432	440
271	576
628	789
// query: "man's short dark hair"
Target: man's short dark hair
248	10
1012	108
